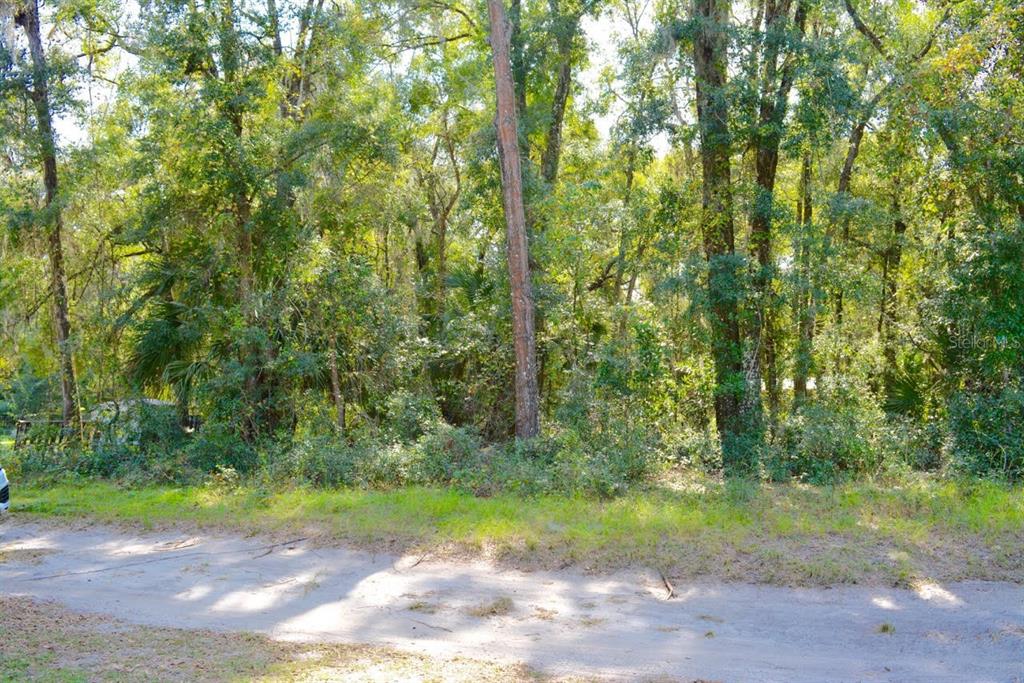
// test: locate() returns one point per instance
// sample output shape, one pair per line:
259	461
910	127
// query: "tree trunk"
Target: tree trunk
262	385
28	19
771	116
887	305
441	276
567	29
518	59
631	287
441	209
710	59
336	395
239	187
805	303
296	83
624	236
846	176
526	391
983	208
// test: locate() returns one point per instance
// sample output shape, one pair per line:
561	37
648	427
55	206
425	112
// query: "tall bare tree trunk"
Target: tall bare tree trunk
710	59
441	276
230	60
28	18
262	385
441	205
526	391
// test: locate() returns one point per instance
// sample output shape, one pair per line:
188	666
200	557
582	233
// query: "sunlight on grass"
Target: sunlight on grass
723	524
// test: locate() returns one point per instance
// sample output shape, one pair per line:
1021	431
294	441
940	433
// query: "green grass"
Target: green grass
779	534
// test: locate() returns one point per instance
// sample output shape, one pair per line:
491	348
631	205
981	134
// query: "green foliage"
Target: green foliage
24	393
987	432
219	445
303	248
410	416
844	433
445	452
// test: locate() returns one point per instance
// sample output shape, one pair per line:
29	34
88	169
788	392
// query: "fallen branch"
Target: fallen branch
668	585
439	628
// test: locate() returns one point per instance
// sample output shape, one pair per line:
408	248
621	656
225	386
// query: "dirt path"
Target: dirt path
617	626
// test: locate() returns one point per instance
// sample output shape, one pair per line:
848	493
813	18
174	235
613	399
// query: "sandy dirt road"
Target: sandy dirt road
619	626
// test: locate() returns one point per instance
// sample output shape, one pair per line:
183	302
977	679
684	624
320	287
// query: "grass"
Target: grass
496	608
40	641
787	534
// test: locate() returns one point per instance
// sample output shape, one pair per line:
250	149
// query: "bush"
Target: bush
140	443
444	451
327	461
909	444
387	466
604	456
562	461
218	445
513	468
832	437
38	461
410	416
987	433
135	441
694	448
318	461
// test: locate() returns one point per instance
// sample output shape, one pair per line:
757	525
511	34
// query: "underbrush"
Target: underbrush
561	462
596	450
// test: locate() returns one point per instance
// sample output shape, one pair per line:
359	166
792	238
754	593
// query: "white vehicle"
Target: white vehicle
5	491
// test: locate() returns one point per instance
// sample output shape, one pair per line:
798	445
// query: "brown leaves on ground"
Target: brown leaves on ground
43	641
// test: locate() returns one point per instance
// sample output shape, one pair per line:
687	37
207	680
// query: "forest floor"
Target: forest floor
264	608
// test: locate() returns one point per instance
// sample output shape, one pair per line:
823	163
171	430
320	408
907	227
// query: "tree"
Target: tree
526	391
285	215
782	36
27	16
565	22
733	412
805	304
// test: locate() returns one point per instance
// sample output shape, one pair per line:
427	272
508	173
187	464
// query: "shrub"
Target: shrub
386	466
318	461
410	416
136	441
140	444
908	444
38	461
444	451
831	437
693	448
561	461
987	432
218	445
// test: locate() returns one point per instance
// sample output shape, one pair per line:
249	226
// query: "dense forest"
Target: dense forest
549	245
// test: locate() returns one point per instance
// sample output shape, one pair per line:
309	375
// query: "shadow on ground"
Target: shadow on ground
619	626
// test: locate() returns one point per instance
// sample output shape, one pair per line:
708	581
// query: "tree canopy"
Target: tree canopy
780	238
